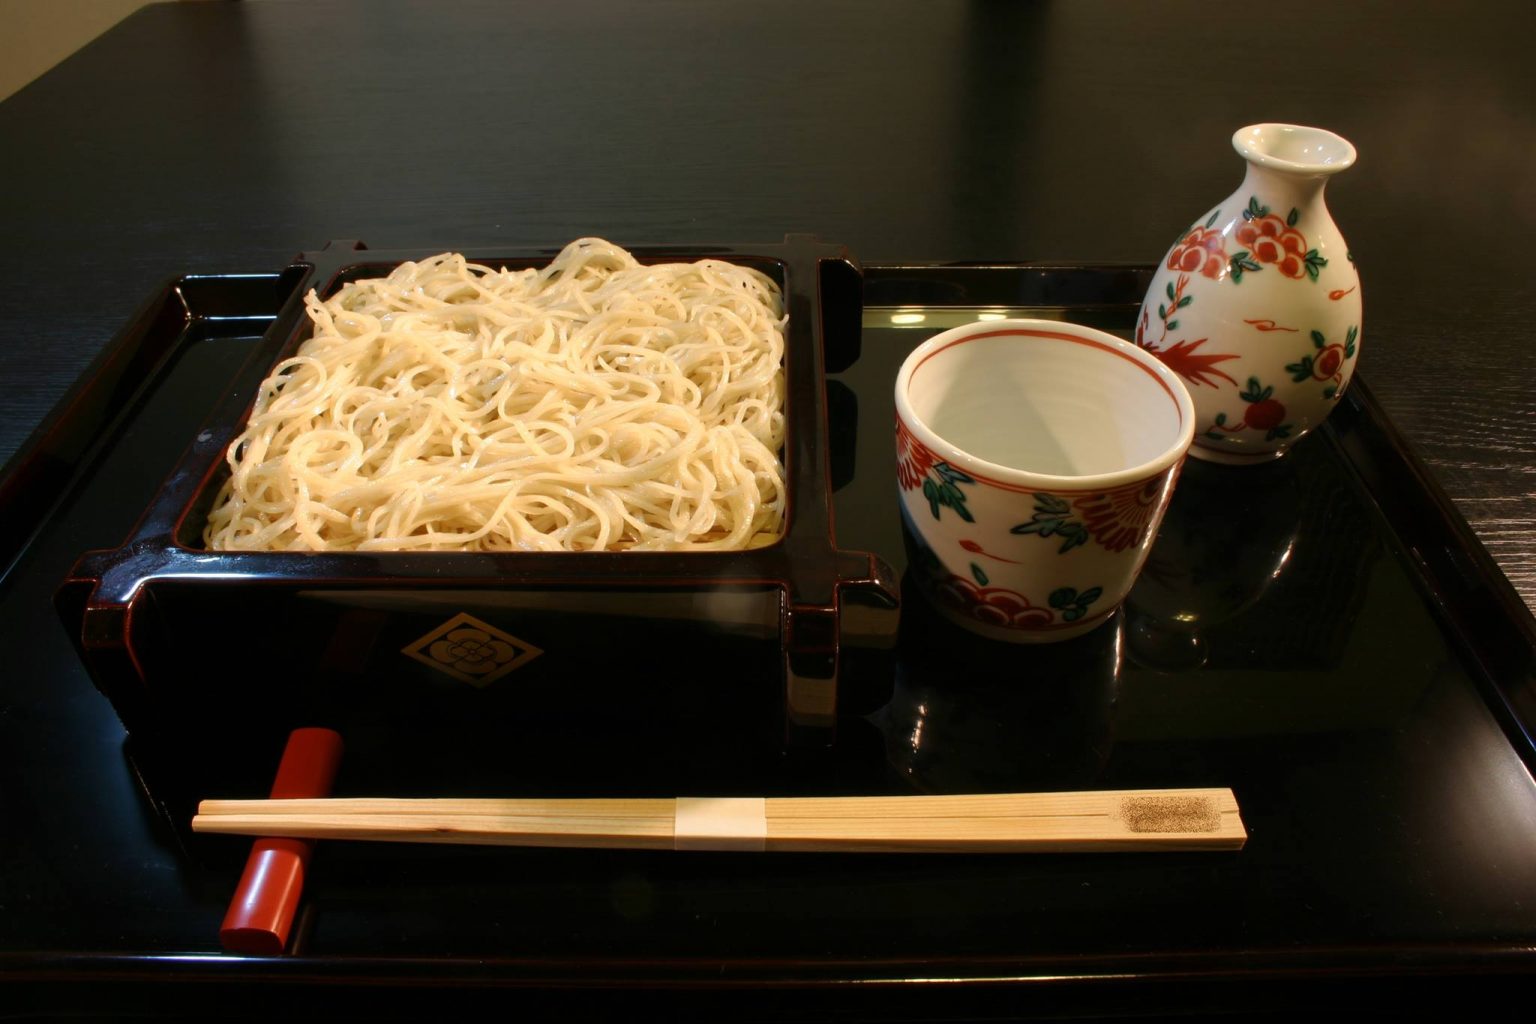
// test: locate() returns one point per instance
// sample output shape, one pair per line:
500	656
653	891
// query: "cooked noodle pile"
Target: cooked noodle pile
595	404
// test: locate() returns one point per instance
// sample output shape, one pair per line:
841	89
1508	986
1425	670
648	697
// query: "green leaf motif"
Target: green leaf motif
1071	604
1314	263
1162	312
1241	261
981	577
1330	391
1318	340
1212	218
1290	221
1300	371
1051	503
950	475
1173	325
1349	340
1170	291
1221	419
1255	392
1186	300
1051	518
944	493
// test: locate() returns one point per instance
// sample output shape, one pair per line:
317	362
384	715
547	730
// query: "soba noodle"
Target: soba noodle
595	404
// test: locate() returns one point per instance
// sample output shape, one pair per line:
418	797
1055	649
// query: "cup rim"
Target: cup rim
1012	477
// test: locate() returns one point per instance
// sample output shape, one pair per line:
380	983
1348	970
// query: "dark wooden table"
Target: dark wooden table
227	137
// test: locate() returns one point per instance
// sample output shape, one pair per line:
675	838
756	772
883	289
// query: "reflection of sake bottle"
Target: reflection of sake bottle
1257	305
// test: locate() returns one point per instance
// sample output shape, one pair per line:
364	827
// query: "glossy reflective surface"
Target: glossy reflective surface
1279	644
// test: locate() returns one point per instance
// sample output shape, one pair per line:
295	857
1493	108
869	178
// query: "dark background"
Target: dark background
221	137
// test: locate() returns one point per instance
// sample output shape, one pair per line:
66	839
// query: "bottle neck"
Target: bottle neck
1284	191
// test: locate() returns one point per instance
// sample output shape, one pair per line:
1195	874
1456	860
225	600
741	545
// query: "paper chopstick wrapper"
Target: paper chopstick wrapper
720	823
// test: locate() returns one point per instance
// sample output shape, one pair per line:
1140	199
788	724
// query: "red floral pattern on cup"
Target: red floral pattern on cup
996	606
1120	519
1201	251
913	460
1269	239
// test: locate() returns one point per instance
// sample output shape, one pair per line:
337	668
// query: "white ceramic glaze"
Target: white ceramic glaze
1034	461
1257	305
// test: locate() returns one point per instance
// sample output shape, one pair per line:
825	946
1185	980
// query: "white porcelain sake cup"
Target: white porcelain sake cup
1035	460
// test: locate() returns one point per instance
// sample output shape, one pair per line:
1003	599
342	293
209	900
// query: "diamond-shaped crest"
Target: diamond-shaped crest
471	651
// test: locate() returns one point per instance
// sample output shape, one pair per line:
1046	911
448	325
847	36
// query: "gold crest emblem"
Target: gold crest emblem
471	651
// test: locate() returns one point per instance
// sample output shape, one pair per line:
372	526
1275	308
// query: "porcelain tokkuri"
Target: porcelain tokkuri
1035	460
1257	304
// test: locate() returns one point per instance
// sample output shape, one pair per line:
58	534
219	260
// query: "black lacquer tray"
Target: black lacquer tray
1322	634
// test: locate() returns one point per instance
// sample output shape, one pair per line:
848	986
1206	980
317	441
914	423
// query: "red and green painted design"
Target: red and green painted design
1115	520
1264	412
1272	242
999	606
1177	300
916	467
1182	357
977	599
1326	362
913	459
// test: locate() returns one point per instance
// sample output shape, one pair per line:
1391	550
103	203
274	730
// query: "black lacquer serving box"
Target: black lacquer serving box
740	643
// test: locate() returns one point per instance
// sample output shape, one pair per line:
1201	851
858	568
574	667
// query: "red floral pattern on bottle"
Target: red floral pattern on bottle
1270	240
1326	363
1201	251
1263	412
913	459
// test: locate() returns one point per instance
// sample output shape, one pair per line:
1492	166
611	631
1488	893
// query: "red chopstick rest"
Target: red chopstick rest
260	916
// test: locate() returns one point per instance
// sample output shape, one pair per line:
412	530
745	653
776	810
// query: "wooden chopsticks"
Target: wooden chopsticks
1153	819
